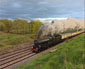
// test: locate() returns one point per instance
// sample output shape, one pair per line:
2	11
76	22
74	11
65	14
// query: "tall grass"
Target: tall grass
15	39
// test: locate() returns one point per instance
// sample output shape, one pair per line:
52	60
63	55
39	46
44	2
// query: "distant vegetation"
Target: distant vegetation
69	55
19	26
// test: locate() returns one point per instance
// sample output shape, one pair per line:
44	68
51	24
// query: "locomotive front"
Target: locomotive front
36	47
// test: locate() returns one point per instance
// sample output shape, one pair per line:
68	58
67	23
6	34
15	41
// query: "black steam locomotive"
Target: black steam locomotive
40	45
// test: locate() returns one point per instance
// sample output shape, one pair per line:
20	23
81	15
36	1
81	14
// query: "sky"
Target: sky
31	9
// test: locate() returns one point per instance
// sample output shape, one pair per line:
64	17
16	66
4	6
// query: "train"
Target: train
40	45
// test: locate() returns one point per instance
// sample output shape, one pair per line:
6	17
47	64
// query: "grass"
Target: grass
70	55
15	39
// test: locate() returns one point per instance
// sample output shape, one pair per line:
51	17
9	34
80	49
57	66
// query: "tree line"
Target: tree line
20	26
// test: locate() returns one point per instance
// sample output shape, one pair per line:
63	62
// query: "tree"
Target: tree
31	26
2	26
21	26
37	24
52	21
8	25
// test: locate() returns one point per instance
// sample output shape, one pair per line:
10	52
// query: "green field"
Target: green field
7	40
70	55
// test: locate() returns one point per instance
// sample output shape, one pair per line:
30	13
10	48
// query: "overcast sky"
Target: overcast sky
27	9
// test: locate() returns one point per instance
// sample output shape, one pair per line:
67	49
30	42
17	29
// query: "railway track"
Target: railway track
15	60
17	56
14	57
27	47
15	52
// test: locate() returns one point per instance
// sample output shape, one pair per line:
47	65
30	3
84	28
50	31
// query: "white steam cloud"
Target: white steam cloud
60	26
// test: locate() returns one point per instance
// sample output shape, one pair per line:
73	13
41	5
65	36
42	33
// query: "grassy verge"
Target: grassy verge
70	55
7	40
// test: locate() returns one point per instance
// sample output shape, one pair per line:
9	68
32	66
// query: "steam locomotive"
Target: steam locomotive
40	45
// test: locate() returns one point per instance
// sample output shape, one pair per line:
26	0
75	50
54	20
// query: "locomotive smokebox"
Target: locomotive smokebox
36	42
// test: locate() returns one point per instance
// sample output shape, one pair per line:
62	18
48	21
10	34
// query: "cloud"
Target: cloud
40	8
16	5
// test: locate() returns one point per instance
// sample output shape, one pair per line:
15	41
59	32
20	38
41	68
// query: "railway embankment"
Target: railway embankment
69	55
